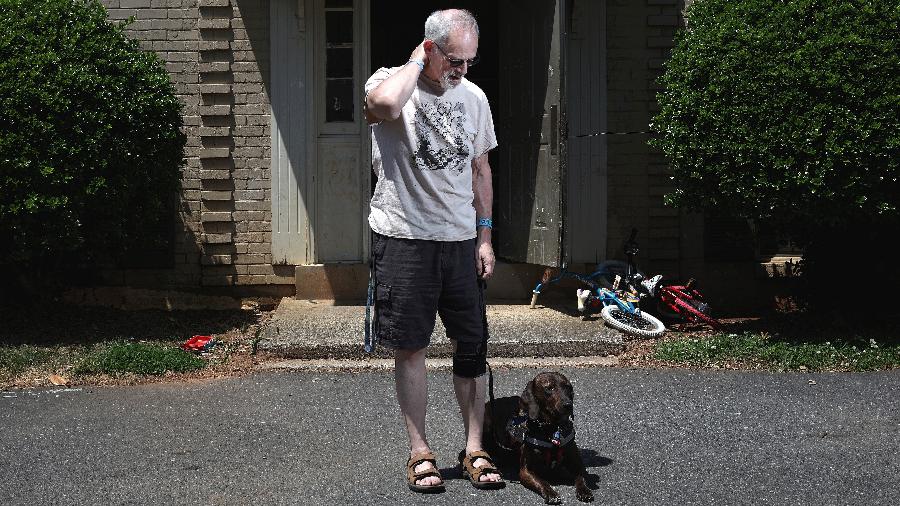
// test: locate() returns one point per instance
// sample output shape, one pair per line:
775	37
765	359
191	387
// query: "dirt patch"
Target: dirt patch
62	330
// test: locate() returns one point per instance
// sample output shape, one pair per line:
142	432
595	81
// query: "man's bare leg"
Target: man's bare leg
412	395
470	394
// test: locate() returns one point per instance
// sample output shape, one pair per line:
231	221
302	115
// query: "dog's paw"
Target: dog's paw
552	497
585	496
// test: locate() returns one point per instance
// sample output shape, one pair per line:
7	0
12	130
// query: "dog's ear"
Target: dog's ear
527	403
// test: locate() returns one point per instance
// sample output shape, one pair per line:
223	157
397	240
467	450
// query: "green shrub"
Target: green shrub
90	140
786	113
777	109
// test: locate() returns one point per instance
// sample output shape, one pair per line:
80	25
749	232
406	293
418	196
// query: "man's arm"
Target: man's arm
484	202
388	98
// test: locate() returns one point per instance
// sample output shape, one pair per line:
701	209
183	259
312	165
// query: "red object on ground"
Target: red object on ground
197	343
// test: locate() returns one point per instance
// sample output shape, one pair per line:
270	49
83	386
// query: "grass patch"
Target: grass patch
138	358
751	349
16	359
102	358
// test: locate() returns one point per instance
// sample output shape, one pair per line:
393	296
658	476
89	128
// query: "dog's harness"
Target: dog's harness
532	433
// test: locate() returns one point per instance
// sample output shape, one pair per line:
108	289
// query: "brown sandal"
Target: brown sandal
474	473
412	476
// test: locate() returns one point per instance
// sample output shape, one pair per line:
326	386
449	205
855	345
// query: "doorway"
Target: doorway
518	74
546	169
398	27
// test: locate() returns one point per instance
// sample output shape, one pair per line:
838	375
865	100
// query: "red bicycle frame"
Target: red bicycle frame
687	302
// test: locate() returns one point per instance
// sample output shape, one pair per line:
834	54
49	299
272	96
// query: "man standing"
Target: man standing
431	214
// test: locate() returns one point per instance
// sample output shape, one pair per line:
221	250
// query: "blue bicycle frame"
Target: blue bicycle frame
606	296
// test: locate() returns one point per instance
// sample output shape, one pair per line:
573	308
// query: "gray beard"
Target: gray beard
445	81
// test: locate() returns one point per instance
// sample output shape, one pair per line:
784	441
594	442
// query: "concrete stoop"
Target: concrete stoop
306	329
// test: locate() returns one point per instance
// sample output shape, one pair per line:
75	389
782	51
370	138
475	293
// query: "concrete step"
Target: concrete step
436	364
346	282
310	329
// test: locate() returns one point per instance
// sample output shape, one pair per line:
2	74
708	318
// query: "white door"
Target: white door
320	147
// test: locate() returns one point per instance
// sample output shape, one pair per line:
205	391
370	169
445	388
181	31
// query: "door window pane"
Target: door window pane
339	65
339	100
338	27
339	62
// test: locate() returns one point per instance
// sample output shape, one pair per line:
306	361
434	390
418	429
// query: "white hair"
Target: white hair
440	23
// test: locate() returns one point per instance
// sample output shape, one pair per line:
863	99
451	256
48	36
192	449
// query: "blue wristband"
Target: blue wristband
485	222
420	63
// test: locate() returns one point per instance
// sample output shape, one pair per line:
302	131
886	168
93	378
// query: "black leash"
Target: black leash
494	420
483	285
371	337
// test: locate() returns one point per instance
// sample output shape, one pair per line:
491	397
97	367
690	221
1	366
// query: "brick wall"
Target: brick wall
639	37
216	52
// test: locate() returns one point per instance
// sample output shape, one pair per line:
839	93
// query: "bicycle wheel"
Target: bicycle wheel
643	324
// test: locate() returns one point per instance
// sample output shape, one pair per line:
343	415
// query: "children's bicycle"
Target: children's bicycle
672	301
684	302
619	305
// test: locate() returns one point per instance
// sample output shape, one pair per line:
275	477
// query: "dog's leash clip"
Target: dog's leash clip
517	428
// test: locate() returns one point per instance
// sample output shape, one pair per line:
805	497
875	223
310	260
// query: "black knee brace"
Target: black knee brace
470	359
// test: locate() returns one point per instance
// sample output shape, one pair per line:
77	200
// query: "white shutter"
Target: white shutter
291	177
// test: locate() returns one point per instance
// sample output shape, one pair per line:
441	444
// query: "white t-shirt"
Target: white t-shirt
423	161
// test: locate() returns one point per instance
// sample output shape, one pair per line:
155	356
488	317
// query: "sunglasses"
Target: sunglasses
456	62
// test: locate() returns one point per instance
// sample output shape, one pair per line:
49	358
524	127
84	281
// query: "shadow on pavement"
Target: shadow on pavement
62	324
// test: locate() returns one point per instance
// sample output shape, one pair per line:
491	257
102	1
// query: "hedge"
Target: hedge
90	138
785	111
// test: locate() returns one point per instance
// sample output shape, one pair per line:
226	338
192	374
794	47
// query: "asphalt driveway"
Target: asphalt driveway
648	437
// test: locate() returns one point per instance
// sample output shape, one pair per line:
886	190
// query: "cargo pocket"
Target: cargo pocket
383	311
482	302
379	243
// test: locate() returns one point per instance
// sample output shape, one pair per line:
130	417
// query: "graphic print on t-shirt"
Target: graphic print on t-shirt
441	135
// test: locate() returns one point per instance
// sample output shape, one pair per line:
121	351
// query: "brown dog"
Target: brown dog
539	429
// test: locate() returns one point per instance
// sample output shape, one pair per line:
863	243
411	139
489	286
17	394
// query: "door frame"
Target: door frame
296	52
530	205
319	130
